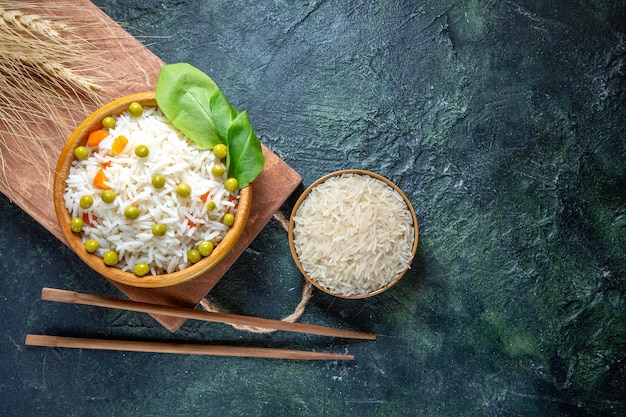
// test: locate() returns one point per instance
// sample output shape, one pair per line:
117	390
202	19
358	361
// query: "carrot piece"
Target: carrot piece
204	197
119	143
106	164
96	137
99	179
87	220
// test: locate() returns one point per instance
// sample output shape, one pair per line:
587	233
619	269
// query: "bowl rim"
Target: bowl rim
74	241
304	195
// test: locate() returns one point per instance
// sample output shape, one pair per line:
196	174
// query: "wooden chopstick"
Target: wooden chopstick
72	297
179	348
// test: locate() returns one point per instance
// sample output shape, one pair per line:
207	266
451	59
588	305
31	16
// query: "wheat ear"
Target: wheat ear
33	24
47	60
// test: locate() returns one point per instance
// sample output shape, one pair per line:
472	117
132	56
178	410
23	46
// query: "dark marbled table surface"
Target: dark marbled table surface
505	124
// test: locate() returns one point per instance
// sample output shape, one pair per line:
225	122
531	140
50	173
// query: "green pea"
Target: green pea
193	255
108	122
183	190
85	202
229	219
81	152
231	184
205	248
217	170
110	258
108	196
141	269
142	151
91	245
210	206
135	109
220	150
159	229
77	224
131	212
158	181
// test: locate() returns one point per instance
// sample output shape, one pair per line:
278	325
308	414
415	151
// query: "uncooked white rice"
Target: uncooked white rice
187	220
353	234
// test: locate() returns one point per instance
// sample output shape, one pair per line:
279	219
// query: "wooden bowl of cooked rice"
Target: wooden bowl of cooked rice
353	234
95	187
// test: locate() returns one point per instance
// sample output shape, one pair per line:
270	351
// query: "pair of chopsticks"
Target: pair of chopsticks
72	297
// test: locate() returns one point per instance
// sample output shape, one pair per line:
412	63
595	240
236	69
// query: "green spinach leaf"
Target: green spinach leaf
222	114
183	93
245	158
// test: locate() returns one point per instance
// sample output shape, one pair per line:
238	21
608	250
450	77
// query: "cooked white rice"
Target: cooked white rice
353	234
187	220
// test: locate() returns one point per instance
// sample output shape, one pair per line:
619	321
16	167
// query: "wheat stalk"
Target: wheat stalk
44	69
57	74
46	59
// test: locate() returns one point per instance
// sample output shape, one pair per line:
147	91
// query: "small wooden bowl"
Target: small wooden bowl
79	137
304	196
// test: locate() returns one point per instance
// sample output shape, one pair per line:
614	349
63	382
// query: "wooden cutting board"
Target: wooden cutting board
132	68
